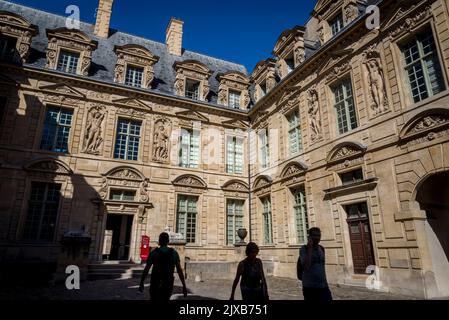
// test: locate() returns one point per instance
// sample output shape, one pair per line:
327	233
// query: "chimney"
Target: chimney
104	13
173	38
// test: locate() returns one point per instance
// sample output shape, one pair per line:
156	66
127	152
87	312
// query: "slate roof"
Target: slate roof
104	58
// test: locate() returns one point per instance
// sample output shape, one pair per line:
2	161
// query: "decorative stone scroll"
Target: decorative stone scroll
13	25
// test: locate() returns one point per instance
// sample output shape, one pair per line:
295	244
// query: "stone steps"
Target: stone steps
102	271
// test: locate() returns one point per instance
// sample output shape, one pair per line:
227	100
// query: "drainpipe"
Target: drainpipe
249	184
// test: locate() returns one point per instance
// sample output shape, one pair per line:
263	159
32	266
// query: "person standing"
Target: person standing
313	273
253	284
164	260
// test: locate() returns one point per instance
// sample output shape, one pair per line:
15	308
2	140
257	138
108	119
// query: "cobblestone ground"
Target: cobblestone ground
279	289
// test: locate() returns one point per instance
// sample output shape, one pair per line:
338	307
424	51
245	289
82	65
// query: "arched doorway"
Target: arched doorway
433	198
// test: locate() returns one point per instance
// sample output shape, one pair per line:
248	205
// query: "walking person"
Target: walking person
253	284
311	269
164	260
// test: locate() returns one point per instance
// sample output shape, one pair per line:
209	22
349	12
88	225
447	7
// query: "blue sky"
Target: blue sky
243	31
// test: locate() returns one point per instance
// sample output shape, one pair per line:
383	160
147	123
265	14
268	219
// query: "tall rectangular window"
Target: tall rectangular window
68	61
42	212
7	48
234	99
234	220
186	217
301	219
267	221
264	148
423	66
127	140
56	129
234	163
189	152
294	133
192	89
2	108
344	106
134	76
336	25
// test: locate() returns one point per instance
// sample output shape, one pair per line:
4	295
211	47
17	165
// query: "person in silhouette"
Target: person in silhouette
164	260
253	285
311	269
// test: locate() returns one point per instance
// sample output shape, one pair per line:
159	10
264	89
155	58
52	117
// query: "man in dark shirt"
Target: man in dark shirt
163	260
314	282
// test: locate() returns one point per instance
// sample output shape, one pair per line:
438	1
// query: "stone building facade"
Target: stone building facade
344	128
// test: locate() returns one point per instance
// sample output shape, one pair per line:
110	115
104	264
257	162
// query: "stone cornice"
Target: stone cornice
94	84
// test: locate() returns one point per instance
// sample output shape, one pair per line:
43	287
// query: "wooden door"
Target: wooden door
360	235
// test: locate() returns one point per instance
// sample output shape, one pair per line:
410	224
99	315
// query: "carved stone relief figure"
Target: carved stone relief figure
376	82
149	76
350	10
246	99
93	136
206	90
299	55
143	191
223	96
314	115
161	140
179	85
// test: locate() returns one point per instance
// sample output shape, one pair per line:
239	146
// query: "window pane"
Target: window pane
267	223
68	61
7	48
192	89
134	76
234	220
42	211
337	25
300	209
186	217
56	130
422	66
127	140
234	99
352	176
344	107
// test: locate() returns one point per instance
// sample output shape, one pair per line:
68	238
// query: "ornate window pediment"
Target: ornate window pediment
345	151
76	45
190	181
16	27
233	81
293	169
125	178
427	125
289	50
194	72
135	56
264	77
235	186
49	166
262	182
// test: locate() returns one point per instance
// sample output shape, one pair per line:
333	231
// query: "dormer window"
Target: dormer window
134	76
263	89
290	63
16	34
68	61
234	99
233	90
69	51
135	66
192	80
8	48
192	89
336	24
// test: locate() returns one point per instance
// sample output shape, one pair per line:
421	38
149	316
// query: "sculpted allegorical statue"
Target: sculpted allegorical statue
160	142
376	82
92	138
314	114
